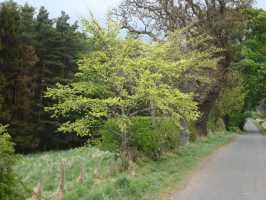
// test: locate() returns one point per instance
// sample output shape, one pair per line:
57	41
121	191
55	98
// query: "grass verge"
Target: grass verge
259	125
145	180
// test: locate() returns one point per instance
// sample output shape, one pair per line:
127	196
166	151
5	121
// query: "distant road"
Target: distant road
236	172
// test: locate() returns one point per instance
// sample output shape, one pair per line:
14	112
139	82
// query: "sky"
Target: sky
81	8
261	4
75	8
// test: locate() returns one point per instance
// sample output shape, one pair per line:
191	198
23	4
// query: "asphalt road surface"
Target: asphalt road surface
236	172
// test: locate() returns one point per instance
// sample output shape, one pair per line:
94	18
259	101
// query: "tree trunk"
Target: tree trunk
207	105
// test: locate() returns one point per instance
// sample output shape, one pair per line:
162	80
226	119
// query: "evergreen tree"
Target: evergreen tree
35	53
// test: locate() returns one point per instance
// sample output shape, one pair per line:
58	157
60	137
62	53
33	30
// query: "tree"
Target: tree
230	106
122	78
11	65
221	19
253	64
59	44
35	53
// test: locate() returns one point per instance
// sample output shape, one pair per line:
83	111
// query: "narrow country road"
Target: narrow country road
236	172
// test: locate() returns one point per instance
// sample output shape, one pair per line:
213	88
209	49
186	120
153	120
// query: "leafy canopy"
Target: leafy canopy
124	77
253	66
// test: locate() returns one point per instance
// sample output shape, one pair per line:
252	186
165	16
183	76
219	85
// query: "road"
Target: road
236	172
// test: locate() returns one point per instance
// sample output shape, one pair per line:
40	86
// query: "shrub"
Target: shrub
193	132
143	136
236	120
7	160
230	105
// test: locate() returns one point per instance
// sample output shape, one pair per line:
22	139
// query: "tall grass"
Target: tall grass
101	175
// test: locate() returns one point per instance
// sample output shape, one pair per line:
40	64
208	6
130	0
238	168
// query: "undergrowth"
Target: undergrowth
103	180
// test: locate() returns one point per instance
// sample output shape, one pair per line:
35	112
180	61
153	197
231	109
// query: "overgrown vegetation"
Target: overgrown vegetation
223	20
103	178
260	120
253	66
199	69
35	52
8	182
229	111
186	64
123	78
144	137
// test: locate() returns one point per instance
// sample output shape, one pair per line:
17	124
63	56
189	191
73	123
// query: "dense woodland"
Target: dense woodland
36	53
157	75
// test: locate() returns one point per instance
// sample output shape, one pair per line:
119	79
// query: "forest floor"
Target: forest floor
102	180
235	172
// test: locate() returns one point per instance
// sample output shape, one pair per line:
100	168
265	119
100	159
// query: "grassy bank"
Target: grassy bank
145	180
258	123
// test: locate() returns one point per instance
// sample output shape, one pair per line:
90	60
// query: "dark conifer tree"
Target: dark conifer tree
35	53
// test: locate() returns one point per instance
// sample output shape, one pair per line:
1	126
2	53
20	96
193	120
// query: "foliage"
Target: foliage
35	52
143	136
260	123
259	119
103	180
245	87
8	184
253	66
124	77
223	20
230	106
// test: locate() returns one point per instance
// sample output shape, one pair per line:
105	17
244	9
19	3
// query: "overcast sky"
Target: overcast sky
261	4
81	8
75	8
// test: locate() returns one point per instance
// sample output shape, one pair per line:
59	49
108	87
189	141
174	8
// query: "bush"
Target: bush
236	120
7	161
193	132
143	136
230	105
